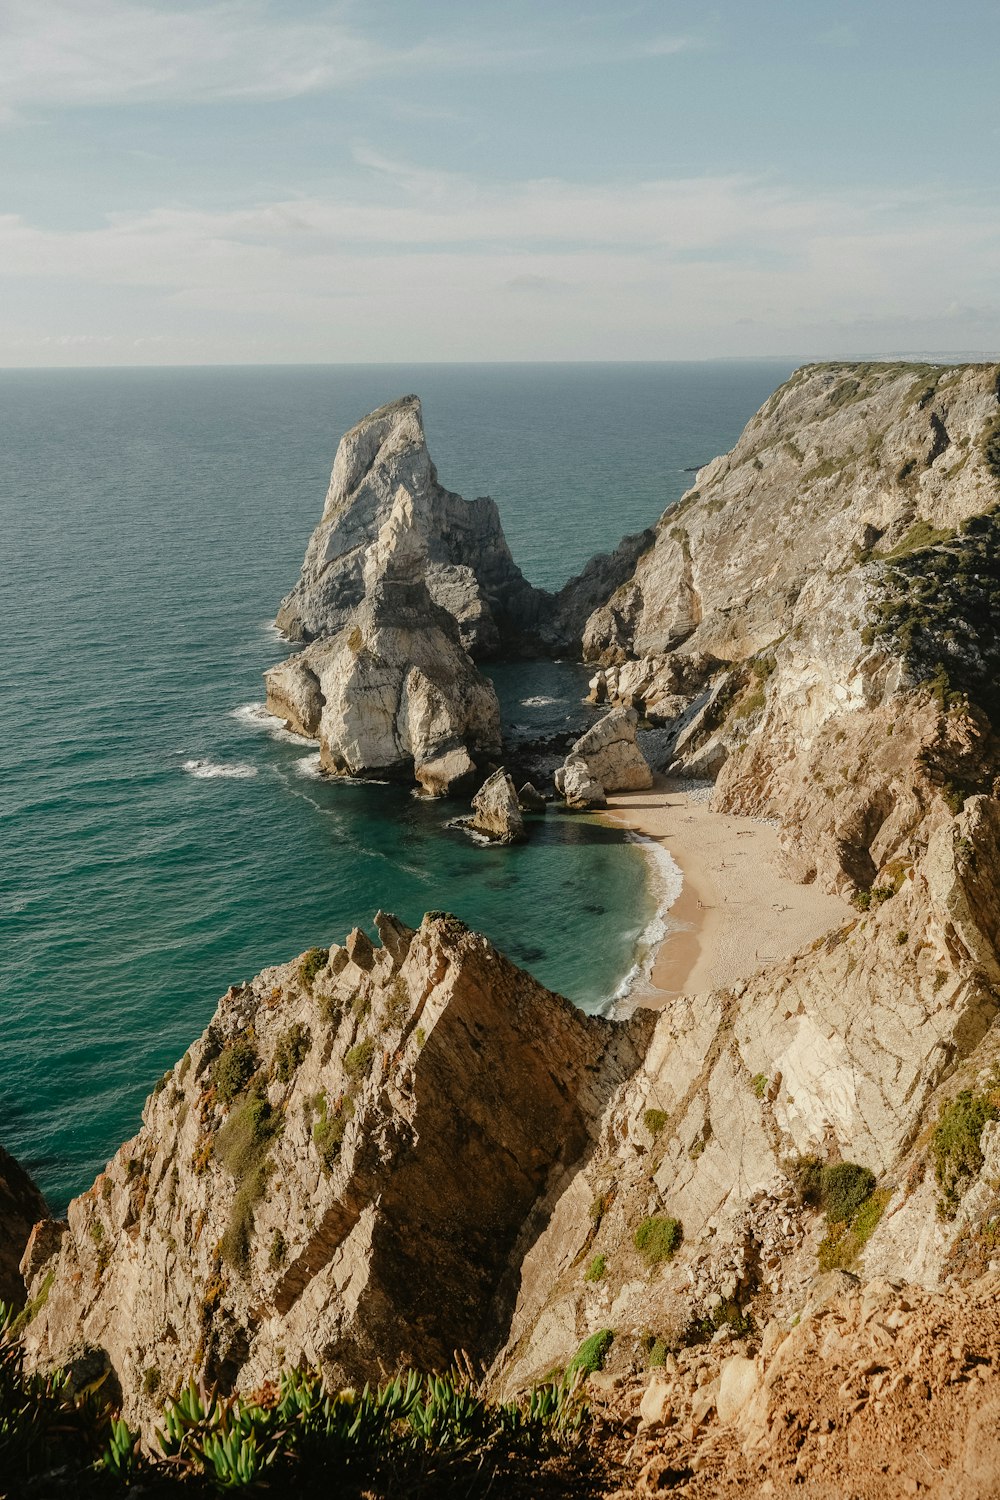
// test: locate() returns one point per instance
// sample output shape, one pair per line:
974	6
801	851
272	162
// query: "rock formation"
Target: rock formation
611	754
21	1206
575	783
496	812
393	692
469	573
782	619
346	1168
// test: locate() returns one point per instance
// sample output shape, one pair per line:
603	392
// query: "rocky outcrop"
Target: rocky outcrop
611	753
21	1206
344	1169
469	573
795	598
393	692
575	783
496	811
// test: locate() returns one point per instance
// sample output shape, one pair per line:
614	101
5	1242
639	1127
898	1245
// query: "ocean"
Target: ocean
161	837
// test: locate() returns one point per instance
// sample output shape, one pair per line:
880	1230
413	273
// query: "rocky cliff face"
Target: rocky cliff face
470	572
21	1205
393	692
793	601
345	1169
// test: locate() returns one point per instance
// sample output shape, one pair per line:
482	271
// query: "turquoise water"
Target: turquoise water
150	523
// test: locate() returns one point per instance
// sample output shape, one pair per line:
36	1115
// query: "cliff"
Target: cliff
345	1169
21	1206
377	1155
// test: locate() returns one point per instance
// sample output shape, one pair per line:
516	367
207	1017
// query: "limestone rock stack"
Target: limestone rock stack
469	569
496	810
393	692
604	759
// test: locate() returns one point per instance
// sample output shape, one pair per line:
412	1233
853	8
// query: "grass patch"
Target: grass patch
844	1242
290	1051
955	1145
759	1084
595	1271
330	1127
655	1120
234	1068
242	1145
920	536
310	965
592	1353
657	1239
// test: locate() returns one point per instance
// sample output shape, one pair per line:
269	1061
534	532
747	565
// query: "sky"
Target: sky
247	181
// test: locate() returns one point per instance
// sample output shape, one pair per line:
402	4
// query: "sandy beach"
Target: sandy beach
736	913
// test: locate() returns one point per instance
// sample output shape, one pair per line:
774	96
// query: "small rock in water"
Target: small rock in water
530	799
495	810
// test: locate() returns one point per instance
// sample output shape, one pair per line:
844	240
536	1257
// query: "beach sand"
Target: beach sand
736	913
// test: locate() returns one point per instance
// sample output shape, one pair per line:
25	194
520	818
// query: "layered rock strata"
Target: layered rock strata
393	692
345	1169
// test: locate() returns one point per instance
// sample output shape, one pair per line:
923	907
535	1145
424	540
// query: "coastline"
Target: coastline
735	913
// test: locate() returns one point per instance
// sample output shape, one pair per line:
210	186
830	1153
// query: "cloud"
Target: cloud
412	262
80	53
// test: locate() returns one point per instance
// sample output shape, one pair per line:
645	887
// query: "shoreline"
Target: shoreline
736	912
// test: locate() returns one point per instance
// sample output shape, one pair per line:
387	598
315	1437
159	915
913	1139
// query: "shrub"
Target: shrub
955	1146
595	1271
397	1005
151	1382
654	1121
291	1050
358	1060
657	1356
657	1239
330	1128
759	1084
843	1189
278	1253
310	965
242	1145
592	1353
234	1068
839	1250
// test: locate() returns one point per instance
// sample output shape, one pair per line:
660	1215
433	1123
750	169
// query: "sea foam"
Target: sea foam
257	716
666	880
210	770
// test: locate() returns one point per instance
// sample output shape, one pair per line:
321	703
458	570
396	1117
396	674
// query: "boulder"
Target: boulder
577	785
530	799
611	754
495	810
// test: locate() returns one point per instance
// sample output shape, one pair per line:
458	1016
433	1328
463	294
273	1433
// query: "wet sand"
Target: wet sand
737	912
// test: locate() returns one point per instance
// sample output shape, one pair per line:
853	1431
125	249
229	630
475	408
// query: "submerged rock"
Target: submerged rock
394	692
496	812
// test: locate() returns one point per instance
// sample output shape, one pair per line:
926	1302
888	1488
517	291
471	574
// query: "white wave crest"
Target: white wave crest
667	880
210	770
539	702
256	716
308	766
